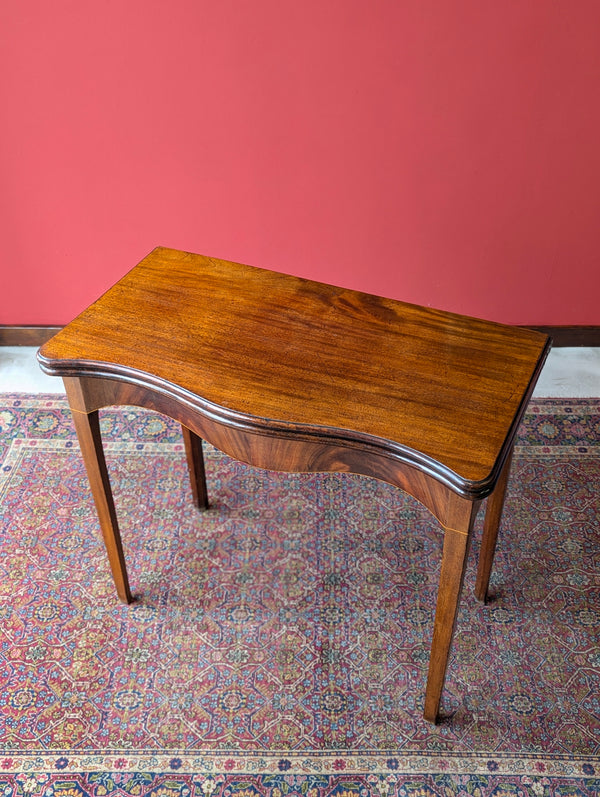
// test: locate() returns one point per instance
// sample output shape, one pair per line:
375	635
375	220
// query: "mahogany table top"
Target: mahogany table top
262	350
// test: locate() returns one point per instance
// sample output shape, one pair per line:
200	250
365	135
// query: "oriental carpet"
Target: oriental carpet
279	641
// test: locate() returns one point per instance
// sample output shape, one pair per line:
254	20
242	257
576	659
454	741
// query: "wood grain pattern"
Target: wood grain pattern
457	539
90	442
293	375
579	335
195	460
261	350
491	524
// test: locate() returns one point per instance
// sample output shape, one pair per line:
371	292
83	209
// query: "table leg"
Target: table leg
90	442
195	460
491	524
454	558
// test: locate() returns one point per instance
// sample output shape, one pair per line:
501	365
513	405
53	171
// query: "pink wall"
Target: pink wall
445	152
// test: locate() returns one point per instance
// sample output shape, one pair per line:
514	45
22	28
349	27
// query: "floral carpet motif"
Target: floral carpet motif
279	641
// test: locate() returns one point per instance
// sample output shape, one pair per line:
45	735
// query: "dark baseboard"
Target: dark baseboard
572	336
26	336
561	335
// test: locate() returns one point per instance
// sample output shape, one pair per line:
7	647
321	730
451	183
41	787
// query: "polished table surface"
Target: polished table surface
290	374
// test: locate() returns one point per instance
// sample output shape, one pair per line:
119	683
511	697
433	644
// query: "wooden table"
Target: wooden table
294	375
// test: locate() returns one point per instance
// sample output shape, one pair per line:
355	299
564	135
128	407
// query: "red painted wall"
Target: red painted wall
445	152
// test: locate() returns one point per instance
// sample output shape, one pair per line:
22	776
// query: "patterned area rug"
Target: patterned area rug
279	641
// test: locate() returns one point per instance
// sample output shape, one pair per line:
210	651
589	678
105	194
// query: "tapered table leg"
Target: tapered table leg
195	460
90	442
454	559
491	524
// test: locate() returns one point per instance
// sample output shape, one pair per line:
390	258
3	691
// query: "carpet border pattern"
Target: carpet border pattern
307	763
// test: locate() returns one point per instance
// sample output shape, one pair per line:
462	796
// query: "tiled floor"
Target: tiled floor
568	372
